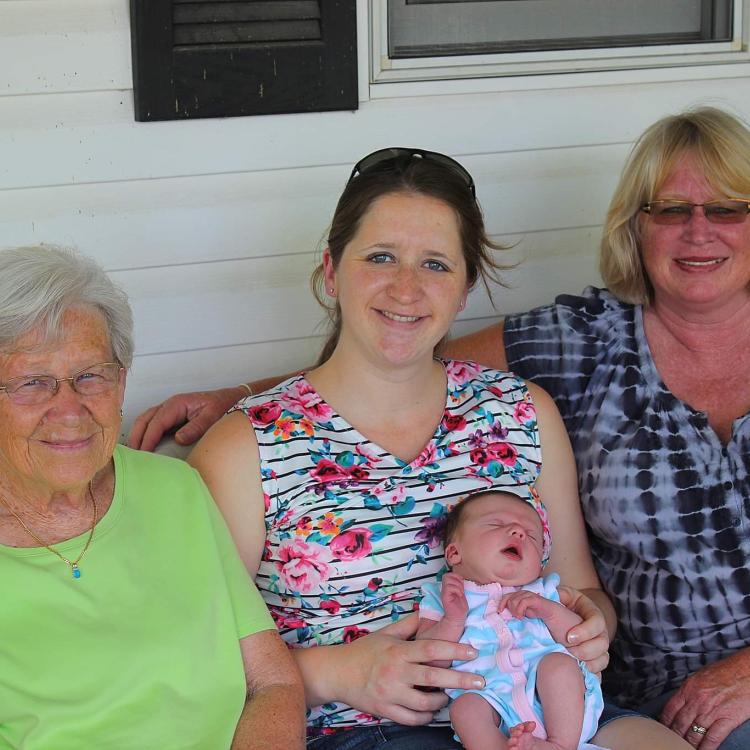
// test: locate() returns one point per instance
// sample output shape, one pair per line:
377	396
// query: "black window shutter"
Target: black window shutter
221	58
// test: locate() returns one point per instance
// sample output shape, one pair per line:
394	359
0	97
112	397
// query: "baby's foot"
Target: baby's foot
521	738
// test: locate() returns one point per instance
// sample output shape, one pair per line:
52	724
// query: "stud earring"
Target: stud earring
122	414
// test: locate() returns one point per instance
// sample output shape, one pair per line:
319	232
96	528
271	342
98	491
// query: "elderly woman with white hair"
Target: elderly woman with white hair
128	620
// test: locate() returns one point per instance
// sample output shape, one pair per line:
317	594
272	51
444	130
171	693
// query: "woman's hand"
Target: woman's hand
196	412
588	641
716	698
382	673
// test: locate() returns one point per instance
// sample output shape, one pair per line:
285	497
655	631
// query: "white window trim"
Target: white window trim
381	77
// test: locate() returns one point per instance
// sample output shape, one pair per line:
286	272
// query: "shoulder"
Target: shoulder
260	403
153	466
594	312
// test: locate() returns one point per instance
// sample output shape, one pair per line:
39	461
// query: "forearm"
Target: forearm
273	719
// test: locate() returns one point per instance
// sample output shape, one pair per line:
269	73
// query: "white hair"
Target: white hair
39	284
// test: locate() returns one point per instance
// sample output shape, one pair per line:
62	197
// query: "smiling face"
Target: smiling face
499	540
401	279
59	445
698	265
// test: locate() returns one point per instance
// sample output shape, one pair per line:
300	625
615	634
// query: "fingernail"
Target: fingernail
572	638
478	683
471	653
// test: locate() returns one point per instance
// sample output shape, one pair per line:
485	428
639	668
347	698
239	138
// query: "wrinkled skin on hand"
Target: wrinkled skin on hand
196	412
716	697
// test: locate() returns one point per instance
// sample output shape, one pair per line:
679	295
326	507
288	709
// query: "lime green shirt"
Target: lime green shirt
142	651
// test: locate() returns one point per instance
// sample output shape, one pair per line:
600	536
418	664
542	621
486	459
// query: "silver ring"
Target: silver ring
698	729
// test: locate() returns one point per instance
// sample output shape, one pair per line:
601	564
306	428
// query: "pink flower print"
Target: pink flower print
479	457
331	606
524	412
264	414
303	399
330	523
503	452
352	632
357	473
303	566
304	526
284	427
427	456
371	459
284	622
391	495
266	501
496	390
461	372
366	718
351	544
453	422
328	471
267	550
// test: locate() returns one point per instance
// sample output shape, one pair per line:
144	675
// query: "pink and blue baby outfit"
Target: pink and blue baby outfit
509	652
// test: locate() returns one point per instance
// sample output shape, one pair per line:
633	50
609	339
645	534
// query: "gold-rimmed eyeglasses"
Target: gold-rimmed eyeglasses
93	380
725	211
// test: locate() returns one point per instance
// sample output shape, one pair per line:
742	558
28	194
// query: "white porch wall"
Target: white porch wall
212	226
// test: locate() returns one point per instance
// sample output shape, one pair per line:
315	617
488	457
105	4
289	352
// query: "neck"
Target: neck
28	500
356	382
704	329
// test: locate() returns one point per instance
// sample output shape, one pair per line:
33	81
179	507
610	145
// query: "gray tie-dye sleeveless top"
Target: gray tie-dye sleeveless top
666	503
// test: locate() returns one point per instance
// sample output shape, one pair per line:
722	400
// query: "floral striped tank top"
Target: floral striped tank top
352	532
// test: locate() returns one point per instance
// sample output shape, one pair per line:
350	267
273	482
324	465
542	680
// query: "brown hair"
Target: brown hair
720	143
407	174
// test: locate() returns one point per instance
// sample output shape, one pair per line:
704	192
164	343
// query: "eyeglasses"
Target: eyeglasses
727	211
36	389
405	155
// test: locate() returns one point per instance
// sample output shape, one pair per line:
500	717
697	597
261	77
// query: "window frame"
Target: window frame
552	69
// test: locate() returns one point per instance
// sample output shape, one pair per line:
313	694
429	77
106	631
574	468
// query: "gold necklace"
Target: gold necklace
72	564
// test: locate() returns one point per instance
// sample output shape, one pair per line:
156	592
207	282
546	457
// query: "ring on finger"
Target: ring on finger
698	729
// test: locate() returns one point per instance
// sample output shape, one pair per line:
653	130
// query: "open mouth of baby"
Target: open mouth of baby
512	551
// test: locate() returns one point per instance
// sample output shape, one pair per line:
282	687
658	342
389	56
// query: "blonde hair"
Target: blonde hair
720	143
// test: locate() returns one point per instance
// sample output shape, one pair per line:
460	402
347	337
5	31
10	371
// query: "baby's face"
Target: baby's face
499	540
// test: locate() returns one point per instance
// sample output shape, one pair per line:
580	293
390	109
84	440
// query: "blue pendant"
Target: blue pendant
76	572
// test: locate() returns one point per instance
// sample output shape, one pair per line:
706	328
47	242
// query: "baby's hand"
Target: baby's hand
453	597
527	604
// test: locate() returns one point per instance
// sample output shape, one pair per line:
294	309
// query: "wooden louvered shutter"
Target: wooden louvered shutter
220	58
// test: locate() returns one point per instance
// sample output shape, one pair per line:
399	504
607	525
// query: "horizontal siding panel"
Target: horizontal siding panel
209	218
49	46
78	138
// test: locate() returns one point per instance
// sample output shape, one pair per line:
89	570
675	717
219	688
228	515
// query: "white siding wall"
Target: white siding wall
212	226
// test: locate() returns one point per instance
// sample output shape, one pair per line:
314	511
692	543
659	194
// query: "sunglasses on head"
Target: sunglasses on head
405	155
725	211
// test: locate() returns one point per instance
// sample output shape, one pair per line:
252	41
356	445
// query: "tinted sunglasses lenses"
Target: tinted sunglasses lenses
679	212
371	161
